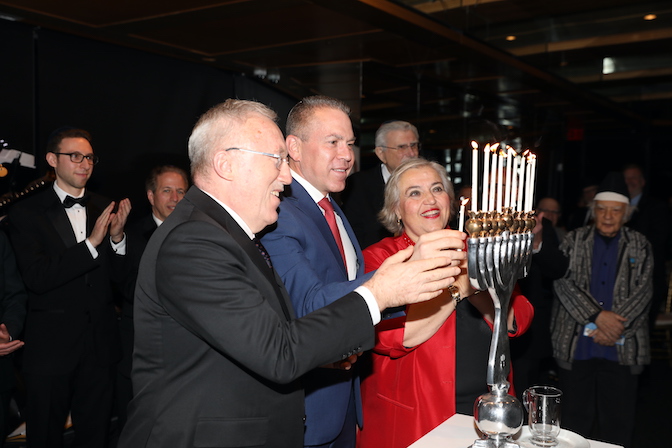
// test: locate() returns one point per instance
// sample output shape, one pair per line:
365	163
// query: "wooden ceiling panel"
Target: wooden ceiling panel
99	14
412	62
226	33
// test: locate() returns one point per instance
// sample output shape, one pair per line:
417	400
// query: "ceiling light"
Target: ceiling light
650	17
10	17
608	66
510	38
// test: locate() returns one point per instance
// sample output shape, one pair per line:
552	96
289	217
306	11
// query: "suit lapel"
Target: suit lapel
55	212
215	211
296	192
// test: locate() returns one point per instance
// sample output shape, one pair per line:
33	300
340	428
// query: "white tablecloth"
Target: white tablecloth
459	431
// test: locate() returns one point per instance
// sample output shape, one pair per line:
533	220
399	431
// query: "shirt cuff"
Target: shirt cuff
370	300
94	252
538	249
120	247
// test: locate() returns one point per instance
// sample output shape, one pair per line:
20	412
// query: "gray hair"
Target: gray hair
216	125
386	128
300	116
388	216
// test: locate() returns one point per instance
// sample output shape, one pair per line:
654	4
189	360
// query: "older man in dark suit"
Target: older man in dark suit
363	196
66	240
218	352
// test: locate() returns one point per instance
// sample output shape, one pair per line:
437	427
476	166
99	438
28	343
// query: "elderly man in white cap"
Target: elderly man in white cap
599	326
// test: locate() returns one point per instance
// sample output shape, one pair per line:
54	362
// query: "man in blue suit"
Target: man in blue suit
318	260
309	259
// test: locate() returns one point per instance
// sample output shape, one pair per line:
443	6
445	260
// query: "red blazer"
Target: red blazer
412	390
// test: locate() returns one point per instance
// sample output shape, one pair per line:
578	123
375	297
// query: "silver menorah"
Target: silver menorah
499	253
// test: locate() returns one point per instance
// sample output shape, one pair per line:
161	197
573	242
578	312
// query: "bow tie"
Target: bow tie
69	201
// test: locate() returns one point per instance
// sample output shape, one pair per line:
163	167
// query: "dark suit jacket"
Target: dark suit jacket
651	218
12	307
363	198
549	264
138	235
70	305
217	349
305	254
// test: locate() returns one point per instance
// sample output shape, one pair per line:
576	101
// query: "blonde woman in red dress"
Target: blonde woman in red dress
430	359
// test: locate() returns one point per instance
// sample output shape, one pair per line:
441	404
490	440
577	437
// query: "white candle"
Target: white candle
528	183
486	161
521	179
500	180
474	176
507	195
493	179
514	186
533	179
461	220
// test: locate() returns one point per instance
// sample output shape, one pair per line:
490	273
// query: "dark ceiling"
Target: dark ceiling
594	65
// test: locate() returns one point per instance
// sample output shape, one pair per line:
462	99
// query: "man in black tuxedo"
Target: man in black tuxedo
12	314
67	241
363	196
218	351
166	185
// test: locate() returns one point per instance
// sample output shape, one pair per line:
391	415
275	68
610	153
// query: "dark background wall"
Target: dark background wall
139	107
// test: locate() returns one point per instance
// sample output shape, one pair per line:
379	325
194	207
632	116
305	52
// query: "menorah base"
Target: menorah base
498	416
504	442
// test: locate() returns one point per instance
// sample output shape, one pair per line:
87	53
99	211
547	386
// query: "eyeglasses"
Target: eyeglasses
405	147
278	158
77	157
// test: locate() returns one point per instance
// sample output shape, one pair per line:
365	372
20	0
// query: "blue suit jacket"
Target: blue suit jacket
304	253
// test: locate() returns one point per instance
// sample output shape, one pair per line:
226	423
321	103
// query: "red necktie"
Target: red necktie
331	220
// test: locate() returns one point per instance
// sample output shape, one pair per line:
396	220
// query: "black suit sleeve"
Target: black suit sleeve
222	299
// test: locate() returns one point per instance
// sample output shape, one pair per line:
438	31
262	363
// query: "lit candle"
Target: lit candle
507	195
533	178
514	186
521	180
528	182
474	176
493	178
486	161
500	179
462	204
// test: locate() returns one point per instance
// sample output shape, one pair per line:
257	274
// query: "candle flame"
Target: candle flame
487	148
474	144
463	200
495	146
527	151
